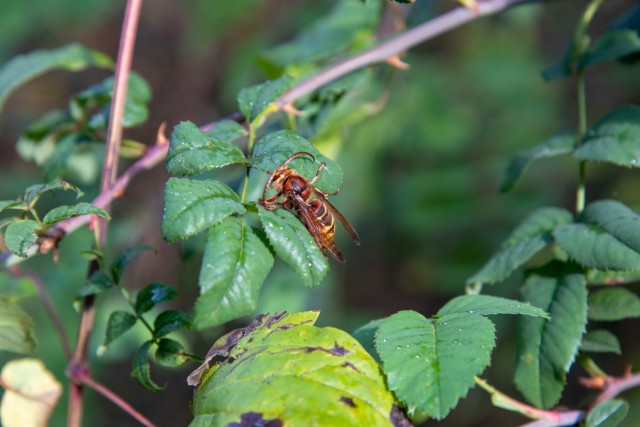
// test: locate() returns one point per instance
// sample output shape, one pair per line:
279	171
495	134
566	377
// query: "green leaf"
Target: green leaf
430	364
600	341
23	68
284	369
254	100
97	283
559	144
546	349
20	235
293	243
56	163
16	329
61	213
234	265
140	370
119	322
153	294
614	139
192	206
530	237
12	204
594	248
613	304
193	151
366	337
123	259
613	44
607	414
616	219
486	305
275	148
171	321
33	193
170	353
227	131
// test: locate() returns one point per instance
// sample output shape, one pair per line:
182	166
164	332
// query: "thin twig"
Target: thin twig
117	400
109	173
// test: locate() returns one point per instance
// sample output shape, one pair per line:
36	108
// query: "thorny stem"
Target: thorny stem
616	385
109	173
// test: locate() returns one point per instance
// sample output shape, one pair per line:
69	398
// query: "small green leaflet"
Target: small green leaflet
289	371
430	363
293	243
616	219
559	144
275	148
20	235
153	294
119	322
140	370
611	304
16	329
23	68
531	236
254	100
193	151
97	283
60	213
592	247
614	139
486	305
170	353
227	131
613	44
171	321
600	341
607	414
192	206
546	349
234	265
33	193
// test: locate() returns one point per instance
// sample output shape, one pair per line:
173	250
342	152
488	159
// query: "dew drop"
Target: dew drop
398	347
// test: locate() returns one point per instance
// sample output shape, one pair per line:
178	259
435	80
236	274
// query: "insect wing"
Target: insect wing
316	228
336	213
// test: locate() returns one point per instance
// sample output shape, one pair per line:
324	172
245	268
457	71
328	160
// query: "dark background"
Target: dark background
421	176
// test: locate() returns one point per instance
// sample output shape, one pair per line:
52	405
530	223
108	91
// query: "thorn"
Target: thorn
290	109
161	139
398	63
472	5
594	382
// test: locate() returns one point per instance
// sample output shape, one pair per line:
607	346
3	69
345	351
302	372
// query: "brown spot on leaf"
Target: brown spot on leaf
398	418
350	365
348	401
254	419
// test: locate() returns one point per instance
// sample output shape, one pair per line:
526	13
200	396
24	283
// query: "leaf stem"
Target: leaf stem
582	132
501	400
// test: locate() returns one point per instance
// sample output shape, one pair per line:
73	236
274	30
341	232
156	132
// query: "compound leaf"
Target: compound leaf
192	206
293	243
546	349
234	265
430	364
281	360
193	151
611	304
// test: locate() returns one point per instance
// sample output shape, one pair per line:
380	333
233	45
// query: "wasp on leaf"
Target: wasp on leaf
308	203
